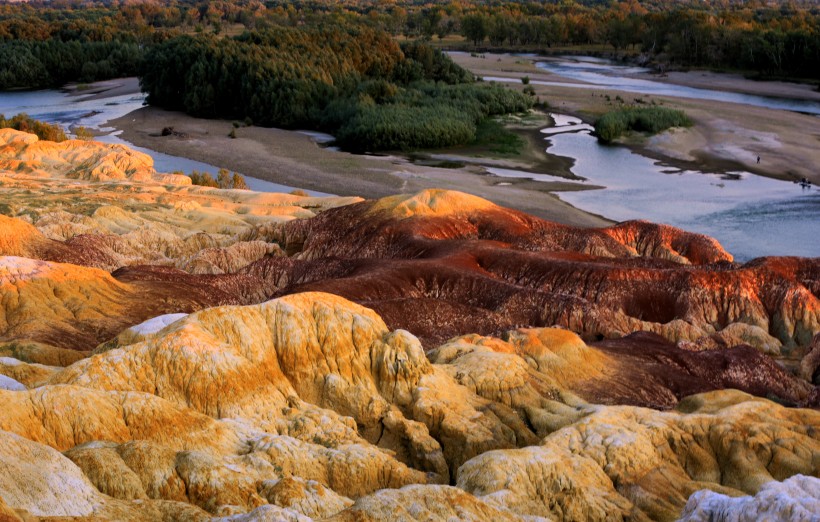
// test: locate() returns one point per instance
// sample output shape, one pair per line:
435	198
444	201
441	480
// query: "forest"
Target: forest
348	79
101	39
372	73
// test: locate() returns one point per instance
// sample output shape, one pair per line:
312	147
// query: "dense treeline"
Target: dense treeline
764	37
49	45
351	80
52	63
781	39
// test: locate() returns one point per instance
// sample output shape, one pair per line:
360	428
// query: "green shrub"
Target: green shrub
83	133
492	135
651	120
204	179
403	127
352	81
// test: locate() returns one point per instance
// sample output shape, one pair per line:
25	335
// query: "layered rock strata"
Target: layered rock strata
170	352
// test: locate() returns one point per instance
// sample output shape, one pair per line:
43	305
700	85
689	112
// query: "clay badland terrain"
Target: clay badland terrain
173	352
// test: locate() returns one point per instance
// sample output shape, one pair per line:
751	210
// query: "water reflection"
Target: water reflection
59	107
616	77
750	215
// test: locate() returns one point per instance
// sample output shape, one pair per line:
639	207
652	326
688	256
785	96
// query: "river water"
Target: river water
58	107
617	77
750	215
600	74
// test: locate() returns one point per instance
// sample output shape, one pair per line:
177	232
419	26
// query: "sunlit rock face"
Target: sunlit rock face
312	397
441	264
170	352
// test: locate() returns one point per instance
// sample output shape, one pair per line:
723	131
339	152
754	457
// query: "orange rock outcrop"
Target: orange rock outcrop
171	352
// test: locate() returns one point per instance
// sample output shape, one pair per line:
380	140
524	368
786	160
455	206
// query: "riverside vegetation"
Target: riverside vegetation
349	80
25	123
652	120
337	67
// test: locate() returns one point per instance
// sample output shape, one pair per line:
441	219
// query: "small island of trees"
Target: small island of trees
350	80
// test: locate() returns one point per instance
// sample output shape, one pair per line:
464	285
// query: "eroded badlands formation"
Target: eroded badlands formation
172	352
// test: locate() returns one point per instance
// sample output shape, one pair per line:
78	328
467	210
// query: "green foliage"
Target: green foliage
223	178
350	80
52	63
650	119
474	27
497	139
24	122
772	38
403	127
83	133
238	182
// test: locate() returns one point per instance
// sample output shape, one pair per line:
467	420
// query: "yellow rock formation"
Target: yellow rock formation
431	202
310	402
47	301
133	214
308	406
39	353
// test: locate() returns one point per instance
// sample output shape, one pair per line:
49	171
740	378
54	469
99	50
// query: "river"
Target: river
67	110
750	215
600	74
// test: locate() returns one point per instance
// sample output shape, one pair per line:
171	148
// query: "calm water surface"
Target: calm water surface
602	74
58	107
750	215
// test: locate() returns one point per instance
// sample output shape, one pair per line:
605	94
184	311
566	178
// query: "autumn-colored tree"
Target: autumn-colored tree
238	182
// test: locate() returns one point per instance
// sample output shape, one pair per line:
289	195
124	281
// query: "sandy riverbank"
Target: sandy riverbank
294	159
103	89
725	136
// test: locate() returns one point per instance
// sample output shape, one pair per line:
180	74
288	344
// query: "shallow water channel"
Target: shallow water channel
59	107
750	215
598	74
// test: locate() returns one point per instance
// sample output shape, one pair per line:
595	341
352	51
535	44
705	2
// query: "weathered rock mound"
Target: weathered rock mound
440	265
795	499
146	374
312	403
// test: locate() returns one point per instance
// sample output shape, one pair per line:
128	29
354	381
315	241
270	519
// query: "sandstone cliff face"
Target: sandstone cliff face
170	352
312	403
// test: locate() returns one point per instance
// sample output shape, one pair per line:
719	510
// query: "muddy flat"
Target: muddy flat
725	136
295	159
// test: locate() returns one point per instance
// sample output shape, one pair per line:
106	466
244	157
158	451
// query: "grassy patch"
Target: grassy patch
493	137
651	120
